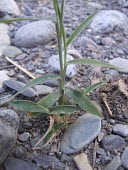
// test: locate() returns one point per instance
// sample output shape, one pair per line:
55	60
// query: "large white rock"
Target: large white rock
55	65
9	6
106	20
3	77
4	37
34	34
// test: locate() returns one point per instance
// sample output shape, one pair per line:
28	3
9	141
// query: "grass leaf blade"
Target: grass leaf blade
28	106
83	102
49	100
94	86
38	80
86	61
81	27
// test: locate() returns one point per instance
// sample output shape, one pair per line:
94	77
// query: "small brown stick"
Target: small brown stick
107	106
20	67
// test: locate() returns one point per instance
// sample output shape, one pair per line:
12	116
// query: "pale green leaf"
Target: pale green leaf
38	80
83	102
64	109
49	100
81	27
86	61
28	106
10	20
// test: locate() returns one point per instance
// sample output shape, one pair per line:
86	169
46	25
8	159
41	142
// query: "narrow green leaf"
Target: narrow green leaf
10	20
53	131
28	106
38	80
94	86
81	27
86	61
82	101
64	109
49	100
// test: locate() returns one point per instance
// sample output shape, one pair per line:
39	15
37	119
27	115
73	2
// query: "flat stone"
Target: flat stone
12	51
114	164
11	7
112	142
46	162
55	65
3	77
8	132
124	158
34	34
101	151
17	164
81	133
43	90
120	129
87	43
82	162
16	85
52	83
4	37
120	63
106	21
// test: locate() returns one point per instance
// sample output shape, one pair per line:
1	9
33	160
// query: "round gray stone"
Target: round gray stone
8	132
12	51
24	137
48	162
16	85
106	20
114	164
124	158
34	34
11	7
17	164
123	3
82	132
121	129
112	142
120	63
54	63
4	37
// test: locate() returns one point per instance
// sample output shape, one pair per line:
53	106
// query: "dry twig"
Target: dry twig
21	68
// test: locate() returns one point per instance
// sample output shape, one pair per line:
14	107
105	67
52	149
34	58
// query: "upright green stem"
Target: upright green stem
59	15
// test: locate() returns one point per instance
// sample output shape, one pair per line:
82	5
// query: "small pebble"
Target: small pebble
24	137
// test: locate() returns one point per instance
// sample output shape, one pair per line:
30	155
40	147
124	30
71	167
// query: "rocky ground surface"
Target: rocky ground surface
32	44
